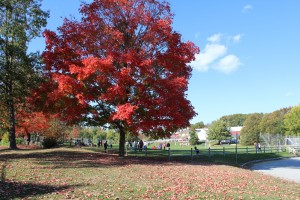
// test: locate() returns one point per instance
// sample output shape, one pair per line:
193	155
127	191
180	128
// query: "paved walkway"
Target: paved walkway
285	168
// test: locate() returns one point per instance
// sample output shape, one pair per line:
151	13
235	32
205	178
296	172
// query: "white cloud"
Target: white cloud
215	38
210	54
214	55
237	38
228	64
197	65
247	8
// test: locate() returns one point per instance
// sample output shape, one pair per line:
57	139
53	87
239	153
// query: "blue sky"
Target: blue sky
249	60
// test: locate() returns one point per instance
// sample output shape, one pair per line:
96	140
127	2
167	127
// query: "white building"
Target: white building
235	130
202	133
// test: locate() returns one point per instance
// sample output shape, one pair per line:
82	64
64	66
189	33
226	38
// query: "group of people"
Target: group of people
105	145
162	146
136	145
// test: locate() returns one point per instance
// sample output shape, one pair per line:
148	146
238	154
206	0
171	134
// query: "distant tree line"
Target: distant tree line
285	121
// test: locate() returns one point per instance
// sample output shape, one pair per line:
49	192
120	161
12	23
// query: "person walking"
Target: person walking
141	144
105	146
259	147
168	145
197	150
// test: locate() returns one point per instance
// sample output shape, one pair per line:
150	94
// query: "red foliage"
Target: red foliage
124	62
57	101
75	132
31	122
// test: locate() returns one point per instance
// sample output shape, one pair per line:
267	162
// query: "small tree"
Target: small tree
29	122
57	130
292	121
251	130
218	131
112	136
194	140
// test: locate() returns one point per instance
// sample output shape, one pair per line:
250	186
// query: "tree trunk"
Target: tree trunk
122	141
12	129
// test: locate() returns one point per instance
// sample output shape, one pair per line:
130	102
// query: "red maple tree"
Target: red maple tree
31	122
125	65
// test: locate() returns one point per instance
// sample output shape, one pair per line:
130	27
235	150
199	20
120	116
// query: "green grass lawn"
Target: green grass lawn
78	173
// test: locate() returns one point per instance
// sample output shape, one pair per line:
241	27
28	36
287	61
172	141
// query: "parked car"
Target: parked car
225	142
232	141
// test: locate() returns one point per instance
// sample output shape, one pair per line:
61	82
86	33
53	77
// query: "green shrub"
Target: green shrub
49	142
202	141
5	139
19	140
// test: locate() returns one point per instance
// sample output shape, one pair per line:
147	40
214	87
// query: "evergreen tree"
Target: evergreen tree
194	140
20	22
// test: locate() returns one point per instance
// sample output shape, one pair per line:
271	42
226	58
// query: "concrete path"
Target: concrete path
285	168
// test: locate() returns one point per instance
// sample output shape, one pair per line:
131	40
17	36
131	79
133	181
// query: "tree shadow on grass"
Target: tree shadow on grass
92	158
64	158
81	158
12	190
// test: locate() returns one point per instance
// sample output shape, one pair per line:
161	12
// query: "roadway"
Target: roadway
286	168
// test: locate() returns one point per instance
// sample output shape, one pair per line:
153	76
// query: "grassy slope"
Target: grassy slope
67	173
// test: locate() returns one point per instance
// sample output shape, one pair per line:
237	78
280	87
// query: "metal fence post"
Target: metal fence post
191	153
224	151
209	152
236	153
169	153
